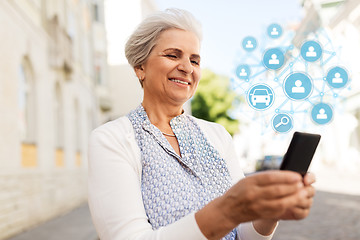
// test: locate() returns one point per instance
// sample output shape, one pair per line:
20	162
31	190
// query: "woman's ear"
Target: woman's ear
139	71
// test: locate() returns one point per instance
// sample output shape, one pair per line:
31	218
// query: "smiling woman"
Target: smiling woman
159	173
172	72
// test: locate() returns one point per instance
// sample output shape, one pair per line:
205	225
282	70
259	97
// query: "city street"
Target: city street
333	217
75	225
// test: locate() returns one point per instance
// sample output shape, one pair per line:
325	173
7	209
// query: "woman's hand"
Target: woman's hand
306	194
270	196
266	227
265	195
264	198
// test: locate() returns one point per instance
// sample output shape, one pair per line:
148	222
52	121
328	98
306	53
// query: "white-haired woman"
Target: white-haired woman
158	173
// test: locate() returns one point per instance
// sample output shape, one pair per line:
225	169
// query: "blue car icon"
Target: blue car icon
260	96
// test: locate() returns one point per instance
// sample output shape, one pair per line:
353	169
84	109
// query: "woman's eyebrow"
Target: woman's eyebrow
197	56
177	50
173	49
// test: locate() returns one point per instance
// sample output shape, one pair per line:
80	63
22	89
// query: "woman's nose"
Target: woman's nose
186	67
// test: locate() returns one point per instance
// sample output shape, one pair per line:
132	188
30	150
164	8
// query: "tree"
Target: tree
213	99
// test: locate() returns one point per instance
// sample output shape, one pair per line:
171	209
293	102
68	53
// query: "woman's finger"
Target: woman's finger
275	191
275	177
309	179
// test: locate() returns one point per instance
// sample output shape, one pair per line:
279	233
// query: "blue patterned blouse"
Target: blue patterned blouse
173	186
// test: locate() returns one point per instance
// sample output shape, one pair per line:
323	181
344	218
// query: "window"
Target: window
27	102
96	15
59	117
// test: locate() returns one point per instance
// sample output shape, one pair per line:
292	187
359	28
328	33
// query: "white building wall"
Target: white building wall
45	188
121	20
338	158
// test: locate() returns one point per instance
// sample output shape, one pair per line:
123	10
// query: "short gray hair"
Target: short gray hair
143	39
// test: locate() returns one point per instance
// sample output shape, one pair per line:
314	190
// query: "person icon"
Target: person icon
311	52
321	114
249	44
298	88
274	59
274	32
337	78
243	73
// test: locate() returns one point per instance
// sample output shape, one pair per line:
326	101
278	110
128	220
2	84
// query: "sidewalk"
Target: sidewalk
333	216
76	225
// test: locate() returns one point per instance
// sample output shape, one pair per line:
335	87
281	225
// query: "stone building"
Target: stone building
54	90
341	21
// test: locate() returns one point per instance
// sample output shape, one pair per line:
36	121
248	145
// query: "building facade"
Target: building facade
54	90
341	20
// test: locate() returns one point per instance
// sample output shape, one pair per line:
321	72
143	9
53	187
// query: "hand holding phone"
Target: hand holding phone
300	152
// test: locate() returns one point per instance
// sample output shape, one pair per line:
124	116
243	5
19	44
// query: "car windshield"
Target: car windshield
260	92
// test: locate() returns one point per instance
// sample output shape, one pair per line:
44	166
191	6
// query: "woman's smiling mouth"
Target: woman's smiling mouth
179	81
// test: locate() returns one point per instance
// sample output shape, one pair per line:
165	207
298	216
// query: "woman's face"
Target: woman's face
172	71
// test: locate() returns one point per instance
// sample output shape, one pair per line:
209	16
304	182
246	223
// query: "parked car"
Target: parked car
269	162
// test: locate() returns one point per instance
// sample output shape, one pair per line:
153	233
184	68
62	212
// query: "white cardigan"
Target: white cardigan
115	199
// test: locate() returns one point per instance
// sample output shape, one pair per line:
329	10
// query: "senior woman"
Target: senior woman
159	173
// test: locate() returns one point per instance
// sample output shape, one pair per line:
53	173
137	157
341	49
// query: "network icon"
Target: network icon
273	59
322	113
311	51
298	86
274	30
307	79
249	43
243	72
337	77
260	97
282	122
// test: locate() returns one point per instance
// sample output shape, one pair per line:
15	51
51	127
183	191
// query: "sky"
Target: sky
225	23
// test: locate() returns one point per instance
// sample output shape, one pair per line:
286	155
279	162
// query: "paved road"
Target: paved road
75	225
333	217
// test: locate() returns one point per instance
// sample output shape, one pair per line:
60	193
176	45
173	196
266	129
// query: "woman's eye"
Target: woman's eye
195	62
171	56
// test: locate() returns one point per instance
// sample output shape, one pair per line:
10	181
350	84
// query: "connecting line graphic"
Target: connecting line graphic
257	74
284	71
291	70
332	54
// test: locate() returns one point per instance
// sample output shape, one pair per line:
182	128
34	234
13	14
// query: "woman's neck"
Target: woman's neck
160	114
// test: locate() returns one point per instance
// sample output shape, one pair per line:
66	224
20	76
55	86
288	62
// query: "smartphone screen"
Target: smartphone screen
300	152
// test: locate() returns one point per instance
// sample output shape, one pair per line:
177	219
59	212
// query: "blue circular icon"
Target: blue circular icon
273	58
297	86
249	43
311	51
322	113
337	77
274	30
260	96
282	123
243	71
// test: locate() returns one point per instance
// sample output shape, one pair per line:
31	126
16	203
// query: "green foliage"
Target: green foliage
213	99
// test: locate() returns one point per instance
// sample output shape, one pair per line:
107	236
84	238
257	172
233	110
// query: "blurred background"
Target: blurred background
63	73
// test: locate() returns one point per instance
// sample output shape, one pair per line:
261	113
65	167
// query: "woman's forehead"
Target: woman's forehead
178	39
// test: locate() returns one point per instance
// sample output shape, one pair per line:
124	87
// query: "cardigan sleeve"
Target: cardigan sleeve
114	189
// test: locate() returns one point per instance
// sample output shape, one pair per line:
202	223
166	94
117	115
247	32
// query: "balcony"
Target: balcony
60	47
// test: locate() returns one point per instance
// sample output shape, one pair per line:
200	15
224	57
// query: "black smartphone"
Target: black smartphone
300	152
